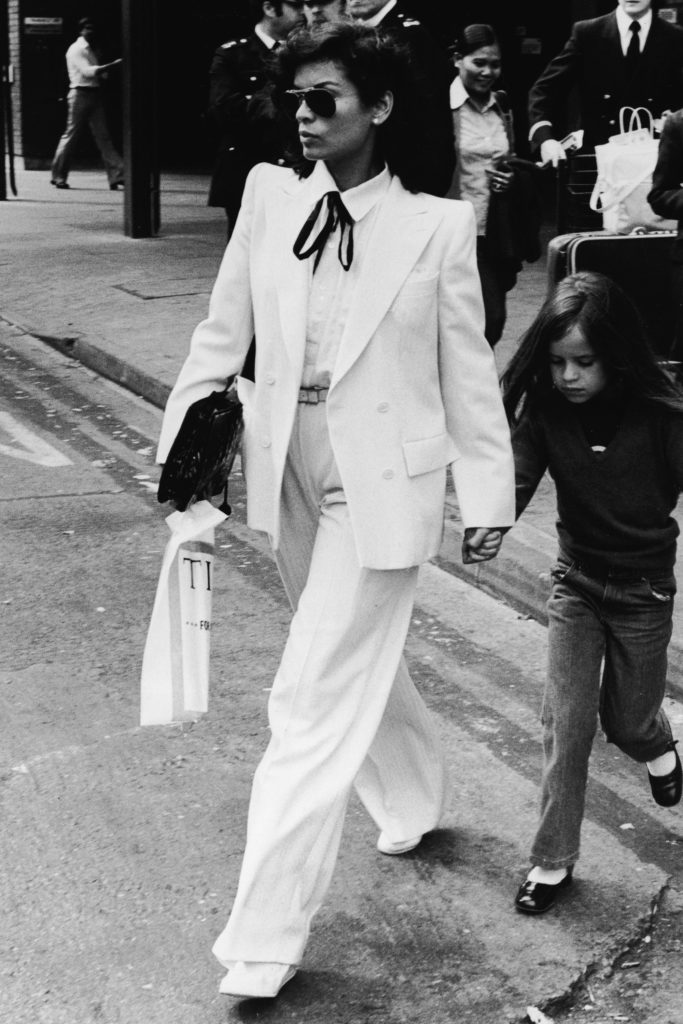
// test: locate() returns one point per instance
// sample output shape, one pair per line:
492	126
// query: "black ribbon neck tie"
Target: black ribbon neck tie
337	216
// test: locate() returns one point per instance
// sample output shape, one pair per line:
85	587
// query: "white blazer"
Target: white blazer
415	386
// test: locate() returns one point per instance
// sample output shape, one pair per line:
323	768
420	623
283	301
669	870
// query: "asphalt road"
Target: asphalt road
120	846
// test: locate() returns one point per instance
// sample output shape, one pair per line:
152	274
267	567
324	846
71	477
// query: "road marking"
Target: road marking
28	446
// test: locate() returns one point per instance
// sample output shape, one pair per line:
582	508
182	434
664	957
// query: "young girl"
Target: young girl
589	402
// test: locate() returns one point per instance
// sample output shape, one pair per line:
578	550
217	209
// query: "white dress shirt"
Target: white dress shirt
81	64
264	37
481	140
332	287
624	25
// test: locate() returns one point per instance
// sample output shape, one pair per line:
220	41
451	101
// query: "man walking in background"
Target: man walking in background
86	107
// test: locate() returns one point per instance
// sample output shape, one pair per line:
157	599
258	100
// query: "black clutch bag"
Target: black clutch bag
201	457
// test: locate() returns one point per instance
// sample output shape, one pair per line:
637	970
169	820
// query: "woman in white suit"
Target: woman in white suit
372	376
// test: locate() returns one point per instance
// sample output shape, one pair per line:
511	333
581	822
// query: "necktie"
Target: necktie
337	216
633	49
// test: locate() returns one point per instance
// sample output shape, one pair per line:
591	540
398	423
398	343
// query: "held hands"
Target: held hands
481	543
552	152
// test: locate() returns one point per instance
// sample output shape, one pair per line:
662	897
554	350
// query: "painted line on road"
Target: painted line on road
28	446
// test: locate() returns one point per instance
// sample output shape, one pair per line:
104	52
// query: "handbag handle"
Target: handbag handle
635	123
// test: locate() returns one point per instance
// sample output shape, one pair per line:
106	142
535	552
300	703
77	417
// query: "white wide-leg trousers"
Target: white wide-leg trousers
343	710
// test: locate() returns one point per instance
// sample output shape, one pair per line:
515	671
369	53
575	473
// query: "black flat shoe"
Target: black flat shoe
115	186
537	897
666	789
60	184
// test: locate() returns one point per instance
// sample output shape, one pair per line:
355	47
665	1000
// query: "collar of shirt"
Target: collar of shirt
358	200
624	26
264	37
460	96
374	21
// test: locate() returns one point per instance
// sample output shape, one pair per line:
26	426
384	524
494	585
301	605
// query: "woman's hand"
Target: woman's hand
499	180
481	543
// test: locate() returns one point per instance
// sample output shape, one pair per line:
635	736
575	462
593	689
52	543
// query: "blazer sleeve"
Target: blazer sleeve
220	343
550	92
483	473
666	195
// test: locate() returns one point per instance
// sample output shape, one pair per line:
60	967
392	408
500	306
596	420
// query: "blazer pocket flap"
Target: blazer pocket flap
429	453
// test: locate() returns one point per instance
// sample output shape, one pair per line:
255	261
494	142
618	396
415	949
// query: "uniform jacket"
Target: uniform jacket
593	62
433	72
250	129
414	388
666	197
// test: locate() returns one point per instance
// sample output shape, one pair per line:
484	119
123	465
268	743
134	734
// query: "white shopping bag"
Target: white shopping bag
625	165
174	686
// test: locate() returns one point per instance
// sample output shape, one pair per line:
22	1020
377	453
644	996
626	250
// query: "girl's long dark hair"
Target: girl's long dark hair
375	63
613	328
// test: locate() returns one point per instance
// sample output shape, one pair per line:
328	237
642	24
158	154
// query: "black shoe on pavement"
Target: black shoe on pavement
666	789
115	185
537	897
59	184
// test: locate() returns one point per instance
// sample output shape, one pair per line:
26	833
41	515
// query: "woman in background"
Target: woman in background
499	186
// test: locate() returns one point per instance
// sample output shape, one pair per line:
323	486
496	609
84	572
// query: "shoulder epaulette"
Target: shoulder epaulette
409	22
231	43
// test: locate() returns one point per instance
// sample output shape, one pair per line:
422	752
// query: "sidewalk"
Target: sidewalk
126	308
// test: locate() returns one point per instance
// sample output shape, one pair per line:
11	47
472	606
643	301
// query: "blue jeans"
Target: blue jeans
622	625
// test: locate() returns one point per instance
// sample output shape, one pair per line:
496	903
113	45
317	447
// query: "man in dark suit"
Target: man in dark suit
251	130
434	74
629	58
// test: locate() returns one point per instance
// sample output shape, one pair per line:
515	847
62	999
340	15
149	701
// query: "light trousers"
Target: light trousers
343	710
85	107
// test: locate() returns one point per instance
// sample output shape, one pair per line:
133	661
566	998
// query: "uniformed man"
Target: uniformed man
434	74
251	130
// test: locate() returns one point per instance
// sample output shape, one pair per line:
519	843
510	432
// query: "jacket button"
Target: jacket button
383	407
266	442
270	379
388	474
607	96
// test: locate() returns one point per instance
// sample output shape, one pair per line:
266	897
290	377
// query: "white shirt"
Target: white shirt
624	26
81	64
264	37
481	140
332	287
374	21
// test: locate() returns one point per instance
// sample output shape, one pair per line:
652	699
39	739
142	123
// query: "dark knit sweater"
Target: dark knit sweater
614	507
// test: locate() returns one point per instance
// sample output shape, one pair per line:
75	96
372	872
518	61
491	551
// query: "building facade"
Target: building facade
531	32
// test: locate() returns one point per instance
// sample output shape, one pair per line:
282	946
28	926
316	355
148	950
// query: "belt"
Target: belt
312	396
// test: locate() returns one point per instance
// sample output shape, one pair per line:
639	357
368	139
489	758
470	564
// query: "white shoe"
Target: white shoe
385	845
255	980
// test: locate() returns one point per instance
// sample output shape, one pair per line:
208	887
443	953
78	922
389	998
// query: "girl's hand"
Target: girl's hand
481	543
499	181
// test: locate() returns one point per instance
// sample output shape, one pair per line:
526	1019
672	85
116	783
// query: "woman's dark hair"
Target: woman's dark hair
613	328
375	64
473	37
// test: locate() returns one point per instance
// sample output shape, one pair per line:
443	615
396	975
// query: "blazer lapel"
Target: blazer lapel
405	223
292	276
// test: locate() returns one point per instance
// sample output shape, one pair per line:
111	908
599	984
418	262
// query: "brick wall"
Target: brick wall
15	60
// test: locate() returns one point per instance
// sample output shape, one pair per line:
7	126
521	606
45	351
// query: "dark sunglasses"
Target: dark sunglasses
319	101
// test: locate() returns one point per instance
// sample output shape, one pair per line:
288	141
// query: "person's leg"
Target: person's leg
402	781
639	621
112	159
328	698
570	715
76	119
